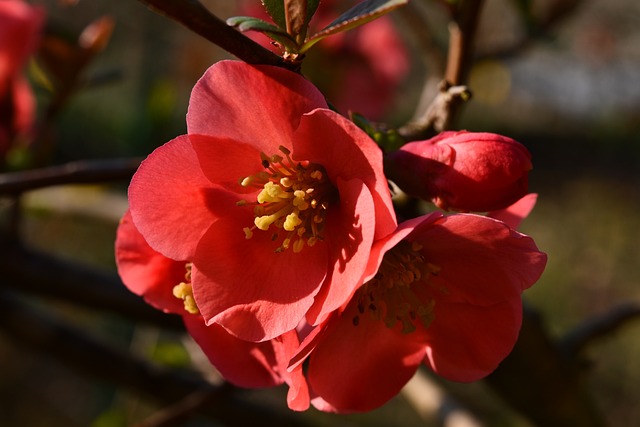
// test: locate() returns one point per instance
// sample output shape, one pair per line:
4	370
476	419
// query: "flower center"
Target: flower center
294	199
396	292
184	291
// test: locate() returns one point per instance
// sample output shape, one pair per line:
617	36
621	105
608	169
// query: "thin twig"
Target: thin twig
177	413
193	15
79	172
597	327
444	108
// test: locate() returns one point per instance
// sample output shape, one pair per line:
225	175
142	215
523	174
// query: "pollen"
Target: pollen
184	291
292	201
399	292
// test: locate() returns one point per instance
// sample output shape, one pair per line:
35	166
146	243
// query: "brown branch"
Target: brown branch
193	15
47	333
453	92
34	273
79	172
71	346
461	38
598	327
538	381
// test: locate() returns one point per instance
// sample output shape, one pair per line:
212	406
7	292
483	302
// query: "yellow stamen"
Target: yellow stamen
393	294
293	196
184	291
292	222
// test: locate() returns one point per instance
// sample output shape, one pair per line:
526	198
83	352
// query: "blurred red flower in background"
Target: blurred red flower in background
358	70
20	25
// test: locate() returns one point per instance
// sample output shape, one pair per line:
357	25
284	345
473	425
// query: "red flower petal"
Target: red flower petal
226	162
482	261
172	202
245	364
146	272
298	395
249	289
258	105
466	342
347	152
20	25
516	213
350	228
358	368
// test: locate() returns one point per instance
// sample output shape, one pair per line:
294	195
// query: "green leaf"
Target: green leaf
312	6
387	139
360	14
249	23
275	9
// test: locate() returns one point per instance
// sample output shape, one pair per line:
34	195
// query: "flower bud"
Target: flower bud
463	171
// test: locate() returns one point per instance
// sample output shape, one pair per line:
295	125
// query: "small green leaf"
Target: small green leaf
360	14
275	9
312	6
249	23
387	139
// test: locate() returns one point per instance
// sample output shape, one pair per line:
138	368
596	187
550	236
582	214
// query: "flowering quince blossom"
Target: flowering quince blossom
443	290
20	25
273	199
463	171
165	283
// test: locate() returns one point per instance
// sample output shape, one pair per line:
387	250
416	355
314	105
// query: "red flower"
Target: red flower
446	293
464	171
275	199
165	283
20	25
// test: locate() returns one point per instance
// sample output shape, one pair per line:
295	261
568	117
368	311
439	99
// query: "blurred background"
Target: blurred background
568	89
